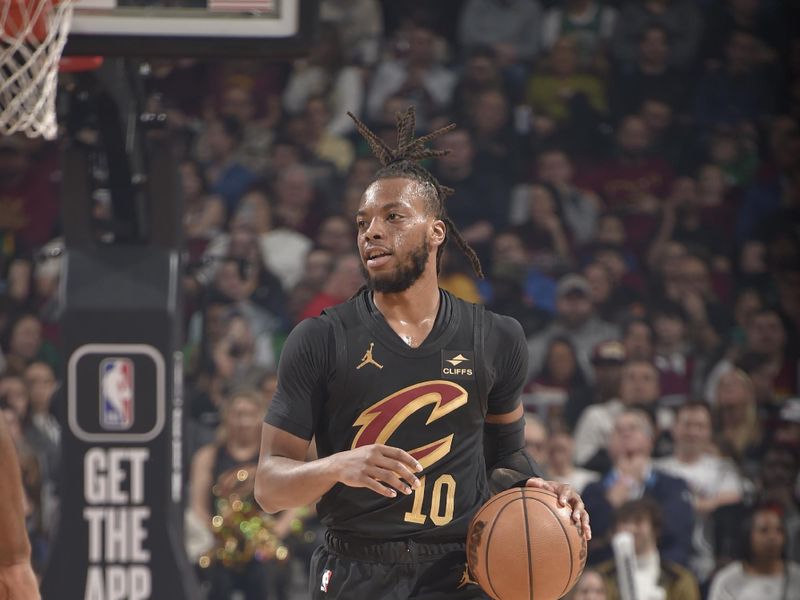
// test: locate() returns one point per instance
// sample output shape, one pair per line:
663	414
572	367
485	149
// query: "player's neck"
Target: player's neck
416	305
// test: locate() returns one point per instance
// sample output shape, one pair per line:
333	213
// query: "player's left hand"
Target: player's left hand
566	496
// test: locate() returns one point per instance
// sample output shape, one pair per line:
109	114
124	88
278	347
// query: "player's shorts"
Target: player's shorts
350	569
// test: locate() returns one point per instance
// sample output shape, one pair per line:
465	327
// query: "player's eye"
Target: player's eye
361	223
393	216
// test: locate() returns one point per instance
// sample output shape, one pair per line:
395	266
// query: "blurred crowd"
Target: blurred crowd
629	174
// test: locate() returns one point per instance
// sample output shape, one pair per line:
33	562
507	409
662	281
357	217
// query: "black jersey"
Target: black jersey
349	380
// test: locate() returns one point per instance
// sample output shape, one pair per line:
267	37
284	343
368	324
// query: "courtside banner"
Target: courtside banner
120	534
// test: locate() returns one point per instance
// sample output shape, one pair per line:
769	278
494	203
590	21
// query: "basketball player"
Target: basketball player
412	396
17	581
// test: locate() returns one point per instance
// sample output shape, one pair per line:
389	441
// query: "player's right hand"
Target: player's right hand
383	469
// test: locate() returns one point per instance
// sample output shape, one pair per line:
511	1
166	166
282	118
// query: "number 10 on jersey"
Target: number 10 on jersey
443	492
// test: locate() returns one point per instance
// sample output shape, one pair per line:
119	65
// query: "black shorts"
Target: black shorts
349	569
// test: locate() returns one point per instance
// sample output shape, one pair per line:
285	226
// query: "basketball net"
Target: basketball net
32	37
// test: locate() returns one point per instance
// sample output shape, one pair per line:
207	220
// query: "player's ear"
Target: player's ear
438	232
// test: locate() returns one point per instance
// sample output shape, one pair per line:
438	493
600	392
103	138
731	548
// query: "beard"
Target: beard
404	276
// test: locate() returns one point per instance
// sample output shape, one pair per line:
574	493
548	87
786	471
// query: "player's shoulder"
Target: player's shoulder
312	327
495	324
503	328
309	336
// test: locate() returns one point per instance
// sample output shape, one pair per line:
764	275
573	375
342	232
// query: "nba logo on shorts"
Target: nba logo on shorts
326	579
116	393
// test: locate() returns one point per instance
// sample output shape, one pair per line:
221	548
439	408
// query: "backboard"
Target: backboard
192	28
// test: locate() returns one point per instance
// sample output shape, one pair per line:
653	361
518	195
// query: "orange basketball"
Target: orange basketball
522	545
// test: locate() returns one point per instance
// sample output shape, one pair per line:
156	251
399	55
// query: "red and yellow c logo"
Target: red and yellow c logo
378	422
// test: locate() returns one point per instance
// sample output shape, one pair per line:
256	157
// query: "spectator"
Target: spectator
336	234
497	148
654	577
680	19
673	357
638	387
687	282
632	181
318	266
359	24
607	360
224	471
561	93
590	22
739	433
713	480
762	570
579	207
559	378
575	319
633	476
734	149
28	199
239	102
765	199
41	383
737	91
255	282
327	146
297	205
342	283
669	131
415	74
516	288
325	74
602	287
765	333
637	339
481	73
479	206
204	214
227	177
560	465
590	586
536	436
23	344
511	28
650	76
282	250
544	232
754	16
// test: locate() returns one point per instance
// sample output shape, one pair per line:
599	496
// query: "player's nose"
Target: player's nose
374	230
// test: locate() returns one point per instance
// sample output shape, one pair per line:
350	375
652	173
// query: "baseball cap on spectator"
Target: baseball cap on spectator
608	353
572	284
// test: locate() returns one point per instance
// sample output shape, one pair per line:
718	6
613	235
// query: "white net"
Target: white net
32	37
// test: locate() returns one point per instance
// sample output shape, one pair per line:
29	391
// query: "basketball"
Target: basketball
522	545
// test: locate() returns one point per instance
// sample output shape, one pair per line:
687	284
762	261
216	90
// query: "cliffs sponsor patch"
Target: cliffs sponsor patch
458	364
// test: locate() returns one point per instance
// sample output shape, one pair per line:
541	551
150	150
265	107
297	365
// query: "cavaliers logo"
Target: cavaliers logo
378	422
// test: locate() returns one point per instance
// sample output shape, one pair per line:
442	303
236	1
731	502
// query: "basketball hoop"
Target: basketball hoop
32	37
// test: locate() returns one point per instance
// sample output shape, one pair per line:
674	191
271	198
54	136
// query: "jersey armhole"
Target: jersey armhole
339	383
478	333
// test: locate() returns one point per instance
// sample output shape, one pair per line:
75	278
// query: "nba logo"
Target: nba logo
116	393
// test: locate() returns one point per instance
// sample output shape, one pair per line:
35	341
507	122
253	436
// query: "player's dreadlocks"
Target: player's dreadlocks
403	162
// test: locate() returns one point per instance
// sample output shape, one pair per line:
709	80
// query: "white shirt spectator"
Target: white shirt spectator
594	428
733	583
344	93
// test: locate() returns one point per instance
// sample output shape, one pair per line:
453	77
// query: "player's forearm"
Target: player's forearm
283	483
